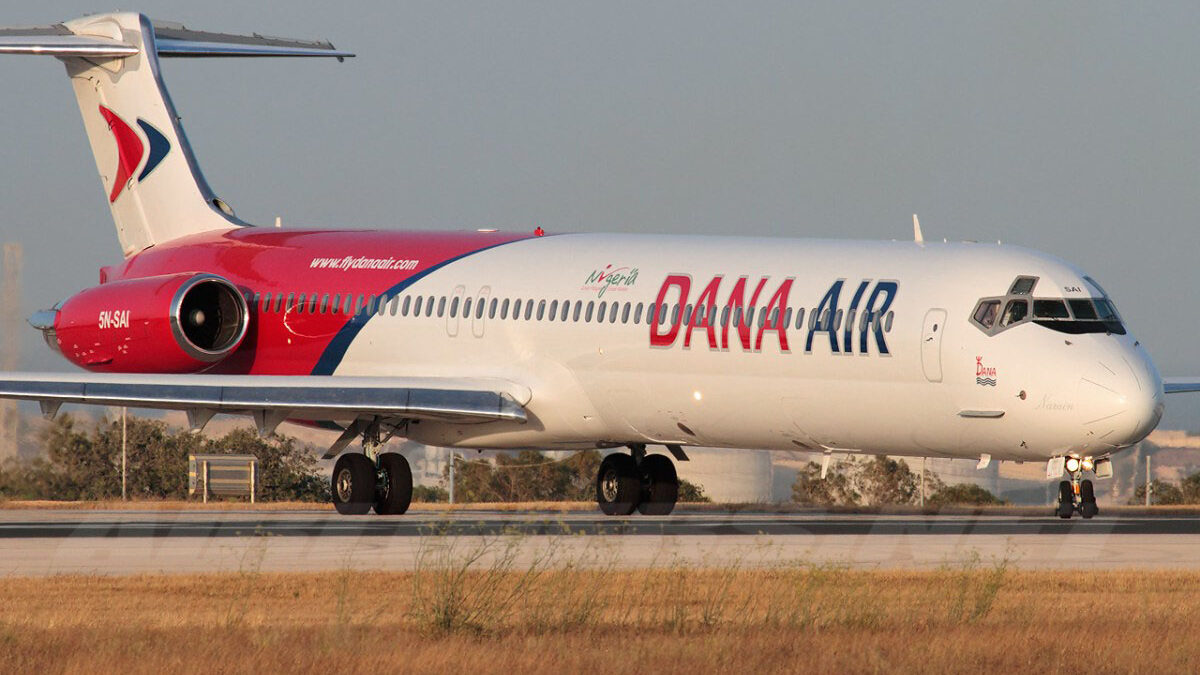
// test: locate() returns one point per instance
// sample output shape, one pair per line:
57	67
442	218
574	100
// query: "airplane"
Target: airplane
492	340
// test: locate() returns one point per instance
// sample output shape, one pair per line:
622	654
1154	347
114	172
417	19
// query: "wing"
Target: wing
1181	385
270	400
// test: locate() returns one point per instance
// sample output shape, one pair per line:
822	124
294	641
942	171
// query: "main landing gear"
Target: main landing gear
1076	494
647	483
362	481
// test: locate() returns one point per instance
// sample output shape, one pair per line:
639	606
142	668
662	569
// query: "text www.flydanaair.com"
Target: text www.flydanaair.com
361	263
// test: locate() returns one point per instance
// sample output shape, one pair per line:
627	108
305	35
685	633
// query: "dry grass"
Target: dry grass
495	617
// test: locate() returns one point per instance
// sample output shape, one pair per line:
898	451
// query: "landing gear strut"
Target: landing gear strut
647	483
1076	494
362	481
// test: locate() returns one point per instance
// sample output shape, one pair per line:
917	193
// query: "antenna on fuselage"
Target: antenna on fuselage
917	236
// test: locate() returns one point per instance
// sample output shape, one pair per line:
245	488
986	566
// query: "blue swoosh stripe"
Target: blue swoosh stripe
332	357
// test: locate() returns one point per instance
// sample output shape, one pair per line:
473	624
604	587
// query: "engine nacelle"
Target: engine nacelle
178	323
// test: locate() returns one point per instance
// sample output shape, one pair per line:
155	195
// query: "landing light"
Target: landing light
697	395
1073	464
1088	464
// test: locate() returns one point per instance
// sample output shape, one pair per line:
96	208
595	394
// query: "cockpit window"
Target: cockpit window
1023	286
1015	312
1106	310
985	313
1050	309
1073	316
1083	309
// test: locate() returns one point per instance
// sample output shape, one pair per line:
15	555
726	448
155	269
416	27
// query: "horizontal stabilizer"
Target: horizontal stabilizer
170	40
176	40
44	41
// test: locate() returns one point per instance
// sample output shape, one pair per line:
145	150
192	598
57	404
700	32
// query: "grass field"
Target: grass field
971	616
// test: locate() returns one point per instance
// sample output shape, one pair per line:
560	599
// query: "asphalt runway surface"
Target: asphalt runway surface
37	542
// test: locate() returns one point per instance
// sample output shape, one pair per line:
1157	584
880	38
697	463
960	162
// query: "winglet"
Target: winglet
917	235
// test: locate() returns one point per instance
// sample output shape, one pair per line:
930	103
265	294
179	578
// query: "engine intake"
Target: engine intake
209	317
180	323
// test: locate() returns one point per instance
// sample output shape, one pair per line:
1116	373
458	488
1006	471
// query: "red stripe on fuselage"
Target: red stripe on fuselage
262	260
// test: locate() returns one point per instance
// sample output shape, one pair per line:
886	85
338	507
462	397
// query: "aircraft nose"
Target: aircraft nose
1121	400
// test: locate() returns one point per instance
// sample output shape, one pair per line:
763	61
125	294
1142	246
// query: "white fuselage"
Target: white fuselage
944	387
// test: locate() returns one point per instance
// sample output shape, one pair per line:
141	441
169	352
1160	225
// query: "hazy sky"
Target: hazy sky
1066	127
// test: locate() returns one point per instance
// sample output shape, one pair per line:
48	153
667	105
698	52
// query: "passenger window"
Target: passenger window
324	304
291	299
578	310
454	307
600	312
266	303
1016	311
417	307
625	313
887	326
837	320
517	309
441	307
404	307
278	302
504	309
480	307
985	313
495	304
1083	310
541	310
787	317
800	318
529	309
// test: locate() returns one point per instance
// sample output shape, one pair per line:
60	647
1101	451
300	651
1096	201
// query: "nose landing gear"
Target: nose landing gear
1076	494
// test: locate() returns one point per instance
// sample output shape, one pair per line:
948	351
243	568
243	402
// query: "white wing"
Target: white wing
270	400
1181	385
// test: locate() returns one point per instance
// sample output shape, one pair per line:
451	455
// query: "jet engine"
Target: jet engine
178	323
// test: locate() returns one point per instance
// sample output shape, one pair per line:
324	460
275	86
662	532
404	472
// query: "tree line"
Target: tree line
881	480
82	461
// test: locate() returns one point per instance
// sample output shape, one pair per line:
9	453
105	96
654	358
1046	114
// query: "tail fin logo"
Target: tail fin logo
131	150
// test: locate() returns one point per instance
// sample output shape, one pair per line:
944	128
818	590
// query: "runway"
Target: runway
35	542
